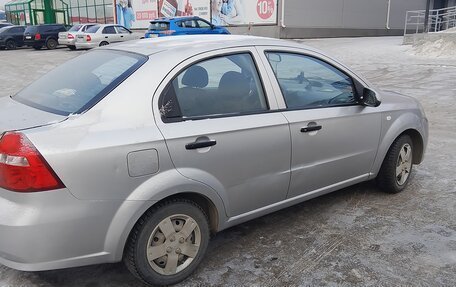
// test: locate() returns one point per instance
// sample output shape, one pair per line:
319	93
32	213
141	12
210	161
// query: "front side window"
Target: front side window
226	85
203	24
122	30
79	83
307	82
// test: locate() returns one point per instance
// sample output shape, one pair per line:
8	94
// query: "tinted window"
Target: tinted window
122	30
159	26
93	29
81	82
307	82
31	29
87	27
203	24
109	30
225	85
17	30
75	28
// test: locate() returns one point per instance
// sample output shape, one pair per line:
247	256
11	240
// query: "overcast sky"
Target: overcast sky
2	3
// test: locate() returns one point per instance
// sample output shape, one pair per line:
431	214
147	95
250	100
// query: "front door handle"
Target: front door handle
197	145
310	129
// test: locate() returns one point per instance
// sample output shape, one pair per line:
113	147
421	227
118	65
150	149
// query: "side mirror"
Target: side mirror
369	98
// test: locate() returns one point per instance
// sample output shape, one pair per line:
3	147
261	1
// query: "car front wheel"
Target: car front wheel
397	165
168	242
11	45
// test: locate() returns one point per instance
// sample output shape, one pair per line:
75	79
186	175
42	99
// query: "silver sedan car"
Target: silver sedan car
68	38
140	151
104	34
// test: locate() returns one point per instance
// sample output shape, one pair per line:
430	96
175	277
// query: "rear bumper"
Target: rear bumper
31	43
86	45
67	42
53	230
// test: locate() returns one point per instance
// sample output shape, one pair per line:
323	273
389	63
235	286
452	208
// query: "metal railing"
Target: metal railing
439	20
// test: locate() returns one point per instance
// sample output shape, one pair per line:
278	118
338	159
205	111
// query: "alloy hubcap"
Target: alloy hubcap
404	164
173	244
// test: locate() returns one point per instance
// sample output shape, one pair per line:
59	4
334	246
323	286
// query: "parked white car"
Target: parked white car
101	35
68	38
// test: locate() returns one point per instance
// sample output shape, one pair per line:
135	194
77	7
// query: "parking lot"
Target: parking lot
355	236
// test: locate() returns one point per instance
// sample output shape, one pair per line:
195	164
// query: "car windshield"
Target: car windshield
159	26
75	28
93	29
80	83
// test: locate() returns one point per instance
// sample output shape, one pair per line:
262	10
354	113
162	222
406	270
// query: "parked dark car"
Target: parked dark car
43	35
12	37
5	25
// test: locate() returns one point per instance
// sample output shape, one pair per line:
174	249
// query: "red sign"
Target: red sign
146	15
265	8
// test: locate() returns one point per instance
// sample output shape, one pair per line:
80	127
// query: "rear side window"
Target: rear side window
80	83
109	30
93	29
227	85
159	26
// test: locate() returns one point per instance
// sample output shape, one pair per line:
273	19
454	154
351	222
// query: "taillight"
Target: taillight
70	36
22	167
37	36
88	38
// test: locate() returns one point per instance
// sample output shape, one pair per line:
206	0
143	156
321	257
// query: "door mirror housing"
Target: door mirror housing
369	98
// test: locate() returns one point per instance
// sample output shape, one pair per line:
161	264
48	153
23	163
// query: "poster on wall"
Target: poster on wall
172	8
136	14
243	12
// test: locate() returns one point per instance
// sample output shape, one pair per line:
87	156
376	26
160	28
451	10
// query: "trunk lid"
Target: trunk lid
16	116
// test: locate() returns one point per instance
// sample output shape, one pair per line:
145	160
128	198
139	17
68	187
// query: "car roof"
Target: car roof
190	44
167	19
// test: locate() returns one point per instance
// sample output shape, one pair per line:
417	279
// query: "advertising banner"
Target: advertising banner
243	12
136	13
172	8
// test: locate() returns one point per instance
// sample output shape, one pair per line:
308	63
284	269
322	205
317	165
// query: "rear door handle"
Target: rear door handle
197	145
310	129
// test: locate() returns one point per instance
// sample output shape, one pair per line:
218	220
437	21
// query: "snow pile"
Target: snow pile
451	30
436	49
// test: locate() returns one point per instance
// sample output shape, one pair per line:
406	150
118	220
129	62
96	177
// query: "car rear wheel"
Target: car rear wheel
72	47
397	165
11	45
51	44
168	242
104	43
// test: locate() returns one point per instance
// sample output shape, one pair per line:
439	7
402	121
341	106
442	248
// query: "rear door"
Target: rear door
334	138
18	35
221	125
109	34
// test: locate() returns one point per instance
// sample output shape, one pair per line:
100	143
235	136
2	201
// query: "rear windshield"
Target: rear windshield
80	83
31	29
75	28
93	29
159	26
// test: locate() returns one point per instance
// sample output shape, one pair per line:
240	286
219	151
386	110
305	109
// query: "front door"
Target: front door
334	139
222	131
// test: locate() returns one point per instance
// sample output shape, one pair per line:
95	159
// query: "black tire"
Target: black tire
104	43
135	255
51	44
387	179
11	45
37	47
72	47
